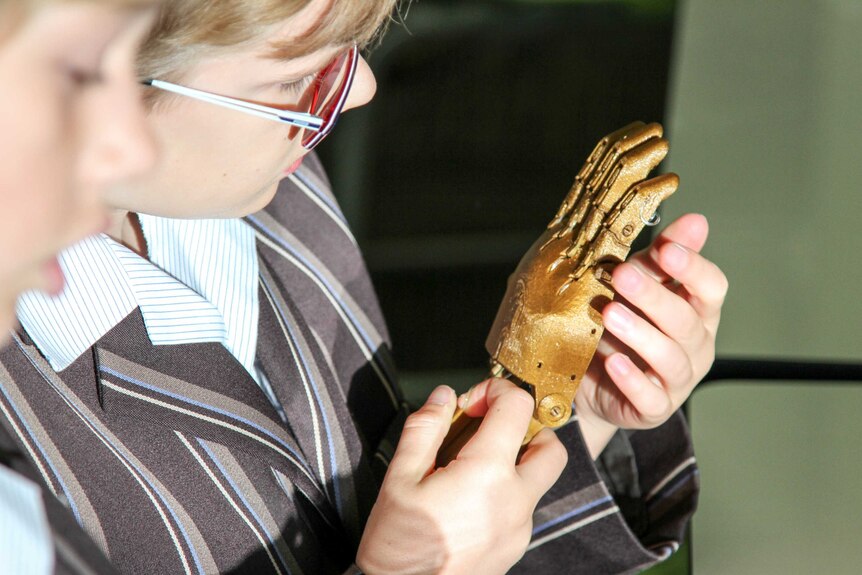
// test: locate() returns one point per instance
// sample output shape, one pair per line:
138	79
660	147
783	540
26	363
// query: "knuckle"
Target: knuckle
657	411
515	397
554	449
700	353
722	285
560	453
427	417
684	373
692	323
708	357
719	288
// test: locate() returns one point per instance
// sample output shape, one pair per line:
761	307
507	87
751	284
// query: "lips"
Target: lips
52	273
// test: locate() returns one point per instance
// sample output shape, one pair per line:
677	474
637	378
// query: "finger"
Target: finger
422	437
475	401
542	462
670	312
627	159
630	162
501	433
584	175
704	281
628	217
667	358
619	149
632	167
690	231
650	400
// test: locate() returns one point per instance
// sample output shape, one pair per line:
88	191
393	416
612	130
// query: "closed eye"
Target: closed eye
297	87
81	76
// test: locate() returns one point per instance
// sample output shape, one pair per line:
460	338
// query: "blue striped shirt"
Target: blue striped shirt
199	285
25	539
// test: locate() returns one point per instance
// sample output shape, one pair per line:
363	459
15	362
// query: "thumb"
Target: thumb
423	434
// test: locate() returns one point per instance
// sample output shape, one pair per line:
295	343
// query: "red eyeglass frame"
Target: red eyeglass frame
324	92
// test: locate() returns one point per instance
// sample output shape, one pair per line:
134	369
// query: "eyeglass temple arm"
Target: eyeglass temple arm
301	119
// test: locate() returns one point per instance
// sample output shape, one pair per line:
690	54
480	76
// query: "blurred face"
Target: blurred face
72	127
217	162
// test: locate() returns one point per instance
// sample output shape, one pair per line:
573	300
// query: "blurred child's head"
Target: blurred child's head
73	126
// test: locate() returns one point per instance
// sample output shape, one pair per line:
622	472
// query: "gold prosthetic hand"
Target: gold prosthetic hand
549	323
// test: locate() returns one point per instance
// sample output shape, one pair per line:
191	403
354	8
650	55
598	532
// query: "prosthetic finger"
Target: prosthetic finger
622	224
637	158
586	172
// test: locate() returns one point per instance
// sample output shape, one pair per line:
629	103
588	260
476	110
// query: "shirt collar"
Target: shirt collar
200	285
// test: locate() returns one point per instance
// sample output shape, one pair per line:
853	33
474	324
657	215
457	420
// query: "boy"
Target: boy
230	403
73	125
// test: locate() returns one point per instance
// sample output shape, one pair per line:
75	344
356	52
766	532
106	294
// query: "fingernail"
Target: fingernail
464	399
441	395
676	256
620	364
629	279
619	318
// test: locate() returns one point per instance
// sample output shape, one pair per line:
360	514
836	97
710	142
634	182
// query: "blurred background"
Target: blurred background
485	111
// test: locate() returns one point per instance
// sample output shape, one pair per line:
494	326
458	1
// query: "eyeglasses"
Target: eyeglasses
323	101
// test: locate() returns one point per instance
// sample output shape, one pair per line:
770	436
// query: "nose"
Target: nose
116	142
364	86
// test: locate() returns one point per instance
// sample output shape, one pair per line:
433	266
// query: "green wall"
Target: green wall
765	128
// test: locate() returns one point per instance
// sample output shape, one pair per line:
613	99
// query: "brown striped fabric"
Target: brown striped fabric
74	551
173	460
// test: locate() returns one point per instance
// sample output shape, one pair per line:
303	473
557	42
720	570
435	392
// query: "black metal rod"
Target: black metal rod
783	370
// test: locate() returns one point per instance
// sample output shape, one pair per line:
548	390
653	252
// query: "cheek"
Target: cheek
214	163
262	149
43	210
38	161
38	226
222	143
31	232
37	193
241	166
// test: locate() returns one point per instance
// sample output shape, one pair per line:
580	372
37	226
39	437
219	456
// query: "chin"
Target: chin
262	199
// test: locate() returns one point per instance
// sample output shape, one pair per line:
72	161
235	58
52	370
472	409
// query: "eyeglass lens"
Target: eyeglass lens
327	94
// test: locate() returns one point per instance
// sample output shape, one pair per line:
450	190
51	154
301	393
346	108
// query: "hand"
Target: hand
549	323
659	338
475	514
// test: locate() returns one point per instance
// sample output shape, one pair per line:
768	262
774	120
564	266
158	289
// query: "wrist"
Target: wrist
596	431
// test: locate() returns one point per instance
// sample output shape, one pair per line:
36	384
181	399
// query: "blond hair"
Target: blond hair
187	29
14	13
